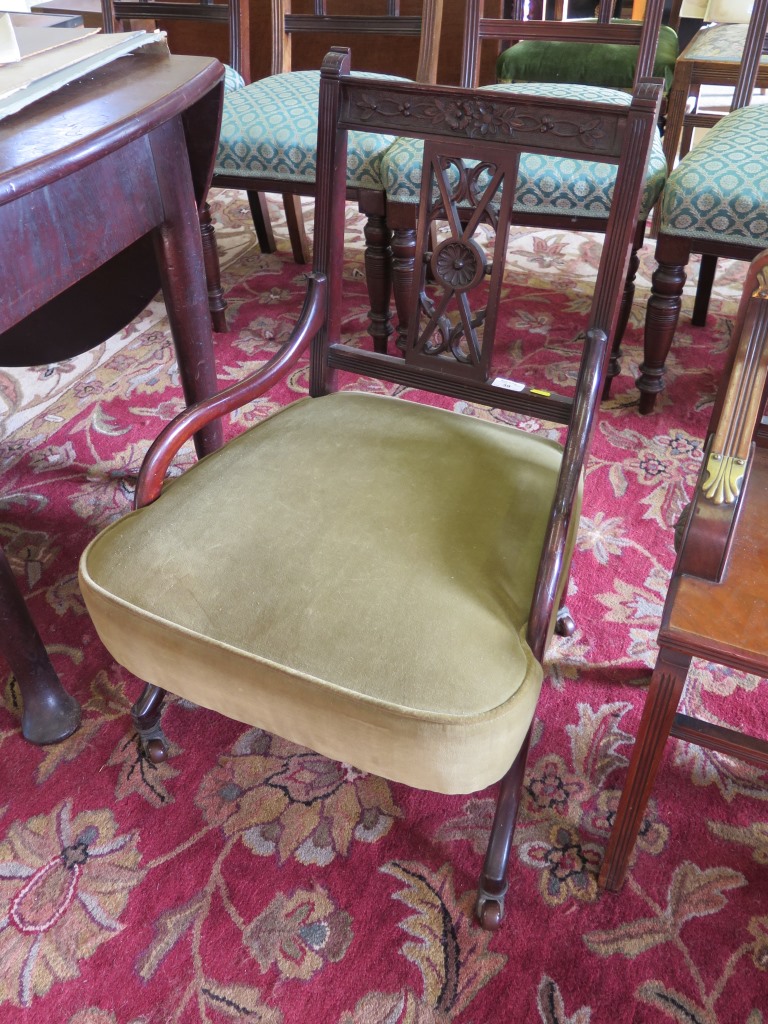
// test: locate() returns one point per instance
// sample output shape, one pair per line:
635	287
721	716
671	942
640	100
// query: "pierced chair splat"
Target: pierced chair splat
274	582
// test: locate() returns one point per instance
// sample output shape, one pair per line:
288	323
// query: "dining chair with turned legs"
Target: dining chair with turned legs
269	129
268	138
718	594
714	203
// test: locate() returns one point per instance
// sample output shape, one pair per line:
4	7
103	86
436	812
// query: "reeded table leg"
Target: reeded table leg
661	703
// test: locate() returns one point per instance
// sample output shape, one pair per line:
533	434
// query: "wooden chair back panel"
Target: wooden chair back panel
425	27
470	140
235	15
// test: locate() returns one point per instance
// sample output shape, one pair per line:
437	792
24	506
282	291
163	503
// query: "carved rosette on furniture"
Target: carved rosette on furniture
482	118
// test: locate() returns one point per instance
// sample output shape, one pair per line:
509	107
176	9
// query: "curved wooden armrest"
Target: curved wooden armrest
588	391
725	471
187	423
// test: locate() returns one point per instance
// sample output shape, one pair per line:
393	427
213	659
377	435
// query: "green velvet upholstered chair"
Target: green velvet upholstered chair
374	577
608	64
715	203
268	139
573	194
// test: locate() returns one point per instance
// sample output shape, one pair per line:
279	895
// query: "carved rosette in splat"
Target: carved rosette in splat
459	299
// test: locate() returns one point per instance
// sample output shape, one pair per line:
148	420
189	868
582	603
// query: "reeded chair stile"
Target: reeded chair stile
373	577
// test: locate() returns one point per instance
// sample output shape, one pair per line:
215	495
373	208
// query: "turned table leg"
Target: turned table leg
50	714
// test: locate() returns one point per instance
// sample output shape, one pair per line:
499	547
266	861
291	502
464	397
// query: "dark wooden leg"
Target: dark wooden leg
146	717
658	715
179	250
614	364
300	247
261	221
378	275
50	714
216	303
704	290
493	881
403	265
661	318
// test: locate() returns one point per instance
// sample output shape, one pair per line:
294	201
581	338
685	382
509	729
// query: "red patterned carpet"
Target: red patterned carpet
250	880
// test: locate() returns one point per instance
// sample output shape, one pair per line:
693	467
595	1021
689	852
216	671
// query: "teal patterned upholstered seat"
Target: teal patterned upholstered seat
232	79
576	188
719	191
269	130
719	43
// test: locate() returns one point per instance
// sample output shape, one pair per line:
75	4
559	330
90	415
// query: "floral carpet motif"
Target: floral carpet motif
248	879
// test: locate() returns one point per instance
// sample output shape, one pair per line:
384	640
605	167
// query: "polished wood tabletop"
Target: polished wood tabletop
101	183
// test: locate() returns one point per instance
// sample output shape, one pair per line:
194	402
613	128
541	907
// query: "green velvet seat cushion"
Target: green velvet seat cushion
546	184
611	65
719	191
354	574
269	130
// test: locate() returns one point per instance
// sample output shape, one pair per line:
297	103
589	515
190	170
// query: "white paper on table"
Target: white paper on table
17	6
9	47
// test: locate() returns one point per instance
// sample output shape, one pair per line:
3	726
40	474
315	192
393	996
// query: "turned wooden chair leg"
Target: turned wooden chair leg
403	267
261	221
300	247
50	714
493	883
628	297
378	275
146	718
659	712
661	318
216	303
704	290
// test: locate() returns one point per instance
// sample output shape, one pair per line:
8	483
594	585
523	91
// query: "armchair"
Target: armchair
373	577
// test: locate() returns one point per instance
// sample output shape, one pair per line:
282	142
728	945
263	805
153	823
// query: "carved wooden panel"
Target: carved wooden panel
486	118
459	279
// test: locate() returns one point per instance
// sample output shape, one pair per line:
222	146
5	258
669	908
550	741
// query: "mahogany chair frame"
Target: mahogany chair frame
430	362
721	568
673	252
478	30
